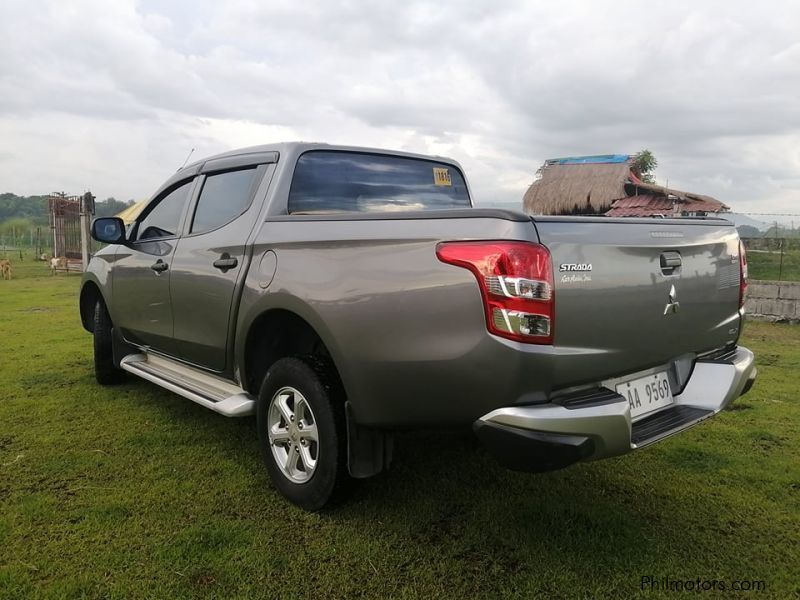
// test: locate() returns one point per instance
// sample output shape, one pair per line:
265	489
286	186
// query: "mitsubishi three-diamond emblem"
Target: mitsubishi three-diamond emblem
673	305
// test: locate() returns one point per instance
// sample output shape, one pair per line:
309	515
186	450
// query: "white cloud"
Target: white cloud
112	95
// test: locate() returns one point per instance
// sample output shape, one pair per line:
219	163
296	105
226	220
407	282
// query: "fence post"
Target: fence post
86	212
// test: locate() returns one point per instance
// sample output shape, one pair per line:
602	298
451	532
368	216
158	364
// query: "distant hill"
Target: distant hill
33	209
782	232
739	220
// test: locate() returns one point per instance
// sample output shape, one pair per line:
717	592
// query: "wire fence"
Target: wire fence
773	258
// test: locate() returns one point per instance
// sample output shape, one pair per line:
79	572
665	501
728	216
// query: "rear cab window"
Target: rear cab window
329	181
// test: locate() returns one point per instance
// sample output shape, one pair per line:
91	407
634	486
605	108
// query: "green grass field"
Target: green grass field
765	261
767	265
133	492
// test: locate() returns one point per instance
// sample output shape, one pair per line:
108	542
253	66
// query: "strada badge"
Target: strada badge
575	267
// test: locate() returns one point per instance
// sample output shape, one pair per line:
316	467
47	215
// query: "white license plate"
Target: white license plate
646	394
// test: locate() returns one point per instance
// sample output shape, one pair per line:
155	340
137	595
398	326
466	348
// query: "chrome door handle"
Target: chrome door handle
225	262
159	266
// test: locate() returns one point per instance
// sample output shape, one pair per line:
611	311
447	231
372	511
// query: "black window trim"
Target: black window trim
238	162
192	181
431	159
260	170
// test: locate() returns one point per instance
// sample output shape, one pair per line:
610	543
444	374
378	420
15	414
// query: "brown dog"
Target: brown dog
5	268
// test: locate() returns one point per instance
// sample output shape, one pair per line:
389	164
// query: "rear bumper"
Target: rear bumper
552	436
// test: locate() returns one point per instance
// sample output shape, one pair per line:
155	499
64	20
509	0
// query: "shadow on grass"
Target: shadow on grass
446	494
446	498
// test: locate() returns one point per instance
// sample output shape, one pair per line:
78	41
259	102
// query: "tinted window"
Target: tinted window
224	197
163	220
351	181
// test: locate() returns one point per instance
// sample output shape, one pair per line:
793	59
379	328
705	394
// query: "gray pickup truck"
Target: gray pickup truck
340	294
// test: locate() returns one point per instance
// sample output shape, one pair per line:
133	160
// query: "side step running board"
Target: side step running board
215	393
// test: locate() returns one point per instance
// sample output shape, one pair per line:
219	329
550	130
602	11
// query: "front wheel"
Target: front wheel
300	418
105	371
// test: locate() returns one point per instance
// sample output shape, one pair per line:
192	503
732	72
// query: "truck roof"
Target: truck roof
297	148
289	151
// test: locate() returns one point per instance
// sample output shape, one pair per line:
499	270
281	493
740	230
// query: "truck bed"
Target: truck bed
405	328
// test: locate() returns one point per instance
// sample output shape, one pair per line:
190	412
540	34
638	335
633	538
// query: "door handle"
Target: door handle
159	266
225	262
670	262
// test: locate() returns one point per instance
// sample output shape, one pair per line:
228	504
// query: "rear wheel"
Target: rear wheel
300	418
105	371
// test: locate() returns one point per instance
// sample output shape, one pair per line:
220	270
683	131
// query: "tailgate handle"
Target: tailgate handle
670	261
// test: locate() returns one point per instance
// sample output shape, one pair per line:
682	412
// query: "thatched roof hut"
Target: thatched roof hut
578	185
607	184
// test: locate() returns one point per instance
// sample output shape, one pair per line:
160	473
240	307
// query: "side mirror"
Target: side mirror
109	230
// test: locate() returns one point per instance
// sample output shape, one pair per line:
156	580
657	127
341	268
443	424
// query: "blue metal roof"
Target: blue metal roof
589	160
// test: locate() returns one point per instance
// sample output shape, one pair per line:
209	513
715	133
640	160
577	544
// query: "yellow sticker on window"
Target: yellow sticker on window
441	176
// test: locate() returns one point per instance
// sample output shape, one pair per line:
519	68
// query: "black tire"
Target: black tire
319	386
105	371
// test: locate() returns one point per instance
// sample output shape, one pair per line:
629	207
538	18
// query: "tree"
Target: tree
644	166
15	228
23	207
110	207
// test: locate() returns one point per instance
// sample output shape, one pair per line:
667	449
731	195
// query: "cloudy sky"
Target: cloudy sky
111	95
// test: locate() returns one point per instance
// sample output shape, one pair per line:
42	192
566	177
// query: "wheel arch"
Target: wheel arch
278	333
90	294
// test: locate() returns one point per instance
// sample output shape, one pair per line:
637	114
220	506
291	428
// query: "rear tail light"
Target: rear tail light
516	283
742	274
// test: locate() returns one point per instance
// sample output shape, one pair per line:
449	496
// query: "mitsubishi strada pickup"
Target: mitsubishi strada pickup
341	294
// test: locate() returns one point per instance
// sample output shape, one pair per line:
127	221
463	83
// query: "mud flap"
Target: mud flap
369	450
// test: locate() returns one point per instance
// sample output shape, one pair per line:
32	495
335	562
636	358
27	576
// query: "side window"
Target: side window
162	221
224	197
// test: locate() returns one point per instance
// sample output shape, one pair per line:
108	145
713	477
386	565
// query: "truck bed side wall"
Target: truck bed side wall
406	331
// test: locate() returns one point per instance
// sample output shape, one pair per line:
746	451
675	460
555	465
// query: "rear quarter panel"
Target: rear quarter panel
406	332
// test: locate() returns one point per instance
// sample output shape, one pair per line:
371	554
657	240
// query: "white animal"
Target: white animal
58	263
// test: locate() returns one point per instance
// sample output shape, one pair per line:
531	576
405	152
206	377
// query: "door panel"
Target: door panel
202	296
142	308
142	270
207	264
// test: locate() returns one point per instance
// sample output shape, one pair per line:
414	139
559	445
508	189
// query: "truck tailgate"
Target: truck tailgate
641	292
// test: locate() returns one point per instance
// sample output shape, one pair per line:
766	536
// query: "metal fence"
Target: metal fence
65	225
773	258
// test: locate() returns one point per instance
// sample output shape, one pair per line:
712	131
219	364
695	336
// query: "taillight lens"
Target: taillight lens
516	283
742	274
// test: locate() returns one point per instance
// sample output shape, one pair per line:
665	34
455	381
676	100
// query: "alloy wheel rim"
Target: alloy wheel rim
293	435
